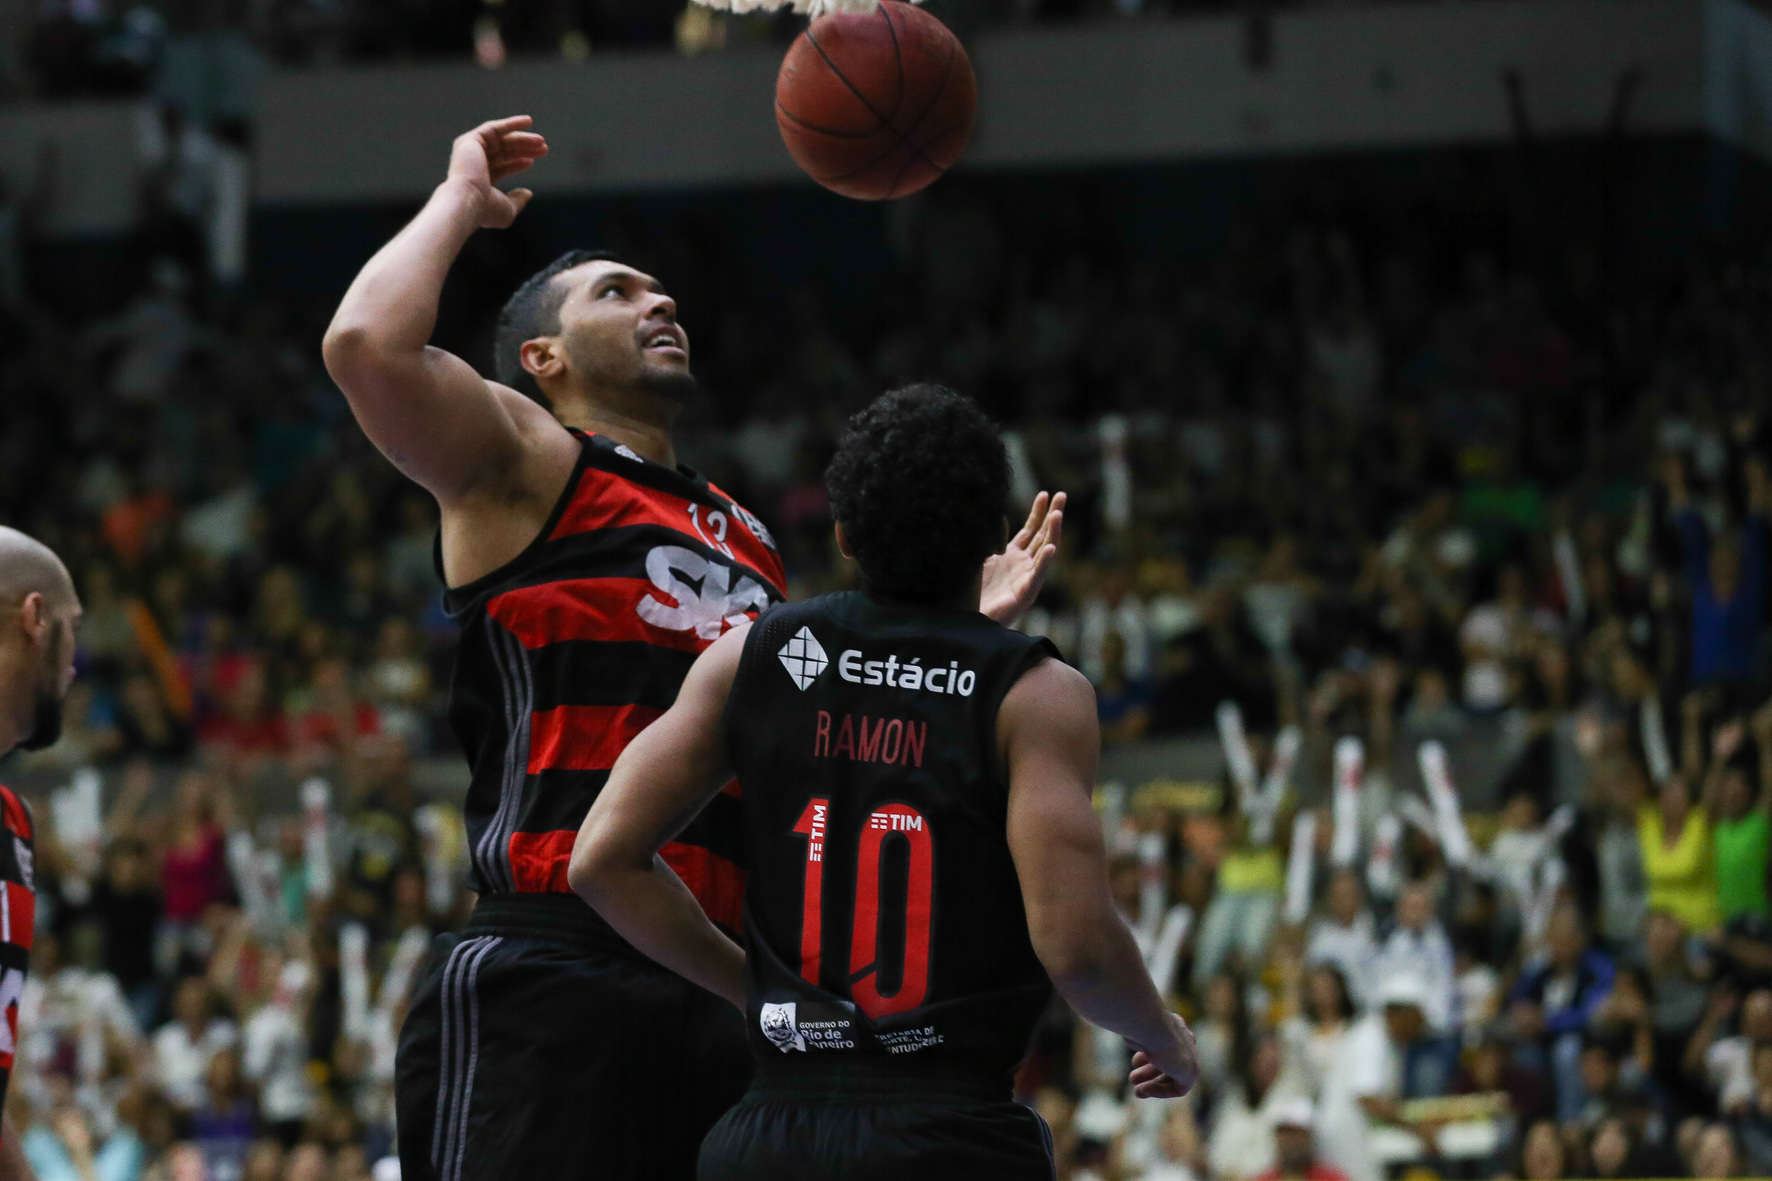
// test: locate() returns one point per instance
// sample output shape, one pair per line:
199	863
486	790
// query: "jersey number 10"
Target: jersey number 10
864	951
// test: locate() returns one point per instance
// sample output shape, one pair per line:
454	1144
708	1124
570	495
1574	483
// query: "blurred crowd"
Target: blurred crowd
87	48
1444	544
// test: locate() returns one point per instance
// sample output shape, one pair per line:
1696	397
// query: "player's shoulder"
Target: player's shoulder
1049	692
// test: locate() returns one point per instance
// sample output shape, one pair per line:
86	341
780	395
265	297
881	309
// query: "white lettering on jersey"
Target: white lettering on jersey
708	610
12	987
906	675
757	528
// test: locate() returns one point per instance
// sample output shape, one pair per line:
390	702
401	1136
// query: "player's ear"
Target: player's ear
843	542
543	357
33	614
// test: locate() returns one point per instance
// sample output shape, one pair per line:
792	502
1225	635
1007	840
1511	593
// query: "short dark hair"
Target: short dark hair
919	483
533	310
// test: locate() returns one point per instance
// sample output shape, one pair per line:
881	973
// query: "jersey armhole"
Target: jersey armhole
740	679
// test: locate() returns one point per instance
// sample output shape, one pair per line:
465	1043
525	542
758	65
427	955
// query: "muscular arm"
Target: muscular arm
1050	743
428	411
663	778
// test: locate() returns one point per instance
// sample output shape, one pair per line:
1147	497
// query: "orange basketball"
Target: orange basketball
876	106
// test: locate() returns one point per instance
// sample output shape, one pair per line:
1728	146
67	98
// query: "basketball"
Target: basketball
876	106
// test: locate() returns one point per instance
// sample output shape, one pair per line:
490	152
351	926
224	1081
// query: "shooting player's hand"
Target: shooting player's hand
490	153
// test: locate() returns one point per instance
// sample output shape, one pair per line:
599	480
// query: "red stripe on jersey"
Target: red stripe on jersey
716	883
584	737
539	861
605	500
606	609
17	819
21	914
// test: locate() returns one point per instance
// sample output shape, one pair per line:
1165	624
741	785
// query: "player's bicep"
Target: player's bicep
1052	744
430	413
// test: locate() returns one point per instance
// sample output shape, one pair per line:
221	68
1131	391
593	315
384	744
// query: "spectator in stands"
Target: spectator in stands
1679	857
193	865
1753	1125
1242	1143
75	1021
184	1046
1246	896
1123	702
1344	934
1555	998
1716	1153
64	1147
1742	827
1222	1031
1725	1062
224	1125
1541	1153
1295	1151
275	1055
1418	947
1388	1057
1617	791
127	907
1727	581
1322	1013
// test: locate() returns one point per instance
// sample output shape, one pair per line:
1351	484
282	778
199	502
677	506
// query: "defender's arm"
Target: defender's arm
665	776
1051	741
428	411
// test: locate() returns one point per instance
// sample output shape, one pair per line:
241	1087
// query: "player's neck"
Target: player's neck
638	419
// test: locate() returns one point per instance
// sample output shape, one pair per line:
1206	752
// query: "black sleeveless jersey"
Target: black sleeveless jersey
883	915
578	644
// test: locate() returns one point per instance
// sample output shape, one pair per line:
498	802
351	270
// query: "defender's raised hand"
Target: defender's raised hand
1013	578
490	153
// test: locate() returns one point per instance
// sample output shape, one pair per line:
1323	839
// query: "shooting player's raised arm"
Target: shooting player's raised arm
428	411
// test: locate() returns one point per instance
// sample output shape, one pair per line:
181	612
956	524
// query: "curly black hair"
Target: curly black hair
919	483
534	310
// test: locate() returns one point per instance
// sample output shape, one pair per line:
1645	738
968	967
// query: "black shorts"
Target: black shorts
869	1123
541	1046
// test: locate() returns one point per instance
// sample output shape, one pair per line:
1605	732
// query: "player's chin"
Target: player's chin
669	378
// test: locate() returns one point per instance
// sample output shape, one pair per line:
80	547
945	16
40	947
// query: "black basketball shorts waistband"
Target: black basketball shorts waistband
558	918
873	1078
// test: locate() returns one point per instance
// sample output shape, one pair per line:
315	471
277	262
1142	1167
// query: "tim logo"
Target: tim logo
782	1027
702	598
804	658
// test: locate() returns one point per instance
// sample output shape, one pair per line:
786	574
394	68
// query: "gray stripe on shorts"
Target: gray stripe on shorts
470	978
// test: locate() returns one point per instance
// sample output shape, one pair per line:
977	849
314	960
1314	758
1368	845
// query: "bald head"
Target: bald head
28	567
39	612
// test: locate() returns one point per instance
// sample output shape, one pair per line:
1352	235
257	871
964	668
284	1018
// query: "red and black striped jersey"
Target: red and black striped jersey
18	914
578	643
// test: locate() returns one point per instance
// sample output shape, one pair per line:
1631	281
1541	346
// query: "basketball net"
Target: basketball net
811	8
